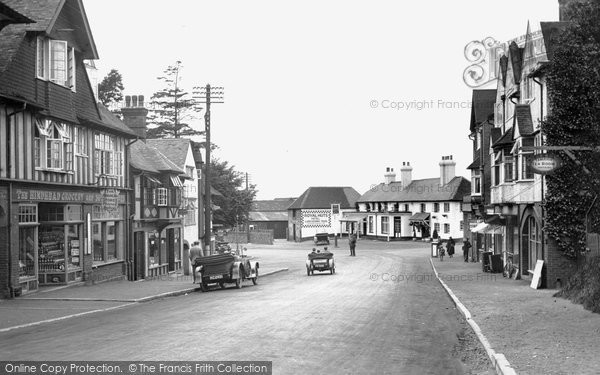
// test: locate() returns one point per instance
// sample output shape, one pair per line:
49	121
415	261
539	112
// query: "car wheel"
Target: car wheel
203	287
307	271
222	285
255	278
238	281
331	271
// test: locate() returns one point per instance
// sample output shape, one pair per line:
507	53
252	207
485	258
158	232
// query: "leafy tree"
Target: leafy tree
573	78
110	90
171	108
236	201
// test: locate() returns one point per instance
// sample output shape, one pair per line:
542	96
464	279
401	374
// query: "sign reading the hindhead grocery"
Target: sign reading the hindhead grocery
545	163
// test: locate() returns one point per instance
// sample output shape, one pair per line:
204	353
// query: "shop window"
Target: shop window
51	246
111	240
446	228
27	251
52	212
385	225
98	242
106	238
72	245
153	250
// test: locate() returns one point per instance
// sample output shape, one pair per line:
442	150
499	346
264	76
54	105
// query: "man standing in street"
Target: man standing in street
352	242
195	252
466	247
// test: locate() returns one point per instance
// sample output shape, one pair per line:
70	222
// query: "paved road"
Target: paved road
365	319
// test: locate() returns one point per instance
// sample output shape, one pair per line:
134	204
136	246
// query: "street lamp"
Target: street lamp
208	95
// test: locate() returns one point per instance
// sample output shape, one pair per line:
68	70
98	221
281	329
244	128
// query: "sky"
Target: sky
317	93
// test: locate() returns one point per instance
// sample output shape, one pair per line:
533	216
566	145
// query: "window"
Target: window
98	243
526	169
462	225
27	214
175	197
446	228
406	208
189	218
189	171
508	168
436	227
475	181
52	147
496	169
105	237
55	61
107	160
423	207
436	207
370	224
161	196
446	207
385	225
79	139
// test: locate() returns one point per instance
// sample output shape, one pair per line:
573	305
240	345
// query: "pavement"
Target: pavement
52	303
534	331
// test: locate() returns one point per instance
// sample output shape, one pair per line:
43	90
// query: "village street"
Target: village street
381	312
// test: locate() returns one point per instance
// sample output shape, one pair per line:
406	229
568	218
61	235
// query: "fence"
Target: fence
263	236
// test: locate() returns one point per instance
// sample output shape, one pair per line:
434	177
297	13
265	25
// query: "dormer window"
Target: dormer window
55	62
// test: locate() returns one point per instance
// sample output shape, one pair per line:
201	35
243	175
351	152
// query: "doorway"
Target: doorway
139	260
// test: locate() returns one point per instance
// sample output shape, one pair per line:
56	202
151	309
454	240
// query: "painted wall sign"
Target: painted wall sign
66	196
316	218
545	163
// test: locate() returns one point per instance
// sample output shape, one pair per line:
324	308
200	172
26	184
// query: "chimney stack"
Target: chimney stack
406	174
389	175
134	114
447	169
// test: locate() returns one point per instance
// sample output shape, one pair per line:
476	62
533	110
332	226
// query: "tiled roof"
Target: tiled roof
272	205
550	31
522	120
148	158
268	216
176	149
495	134
325	196
112	122
482	106
426	190
505	140
13	15
476	164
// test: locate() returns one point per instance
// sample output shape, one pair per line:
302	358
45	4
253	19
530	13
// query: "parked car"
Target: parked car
320	261
224	268
321	239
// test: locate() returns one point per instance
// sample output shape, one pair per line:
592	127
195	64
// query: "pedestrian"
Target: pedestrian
450	247
195	253
466	247
352	242
441	250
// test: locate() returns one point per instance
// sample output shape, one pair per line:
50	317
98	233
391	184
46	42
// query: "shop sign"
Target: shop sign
40	195
545	163
110	200
316	219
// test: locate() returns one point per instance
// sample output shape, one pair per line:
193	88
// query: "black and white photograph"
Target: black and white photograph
284	187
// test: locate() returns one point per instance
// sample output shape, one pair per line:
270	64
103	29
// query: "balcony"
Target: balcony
522	191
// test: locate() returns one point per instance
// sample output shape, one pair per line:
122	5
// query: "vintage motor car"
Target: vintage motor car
321	239
320	261
224	268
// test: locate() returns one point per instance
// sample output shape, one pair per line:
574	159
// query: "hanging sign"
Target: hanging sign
545	163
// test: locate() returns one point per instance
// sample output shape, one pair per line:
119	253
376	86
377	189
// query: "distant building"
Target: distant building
320	210
415	208
271	214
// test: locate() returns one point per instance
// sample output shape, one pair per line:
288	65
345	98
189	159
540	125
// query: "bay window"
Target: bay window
476	181
526	169
508	168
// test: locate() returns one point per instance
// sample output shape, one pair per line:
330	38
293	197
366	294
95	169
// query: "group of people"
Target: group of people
450	248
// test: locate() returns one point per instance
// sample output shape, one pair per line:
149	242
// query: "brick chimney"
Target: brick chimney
406	174
134	114
447	169
390	175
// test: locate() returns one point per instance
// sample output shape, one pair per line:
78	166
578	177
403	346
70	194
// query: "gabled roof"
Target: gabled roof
426	190
272	205
551	30
112	122
482	106
325	196
149	159
522	123
176	149
10	16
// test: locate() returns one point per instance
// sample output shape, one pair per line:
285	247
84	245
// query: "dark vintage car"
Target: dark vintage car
320	261
224	268
321	239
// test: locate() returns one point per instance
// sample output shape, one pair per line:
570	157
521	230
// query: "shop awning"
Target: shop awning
480	228
493	229
419	216
496	220
176	181
356	217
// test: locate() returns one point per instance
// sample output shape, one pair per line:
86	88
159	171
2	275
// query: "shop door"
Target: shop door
397	227
139	259
171	248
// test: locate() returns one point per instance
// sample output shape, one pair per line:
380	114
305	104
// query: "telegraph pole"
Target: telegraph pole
208	95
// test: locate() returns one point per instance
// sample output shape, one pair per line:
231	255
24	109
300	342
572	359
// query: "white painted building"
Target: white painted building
414	208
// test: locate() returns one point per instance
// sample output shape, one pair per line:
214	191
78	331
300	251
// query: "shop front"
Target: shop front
157	248
51	235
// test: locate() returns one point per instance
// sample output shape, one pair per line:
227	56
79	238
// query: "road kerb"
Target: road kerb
499	361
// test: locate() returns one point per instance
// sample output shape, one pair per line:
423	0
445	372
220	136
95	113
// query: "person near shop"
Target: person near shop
195	253
352	242
450	247
466	246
